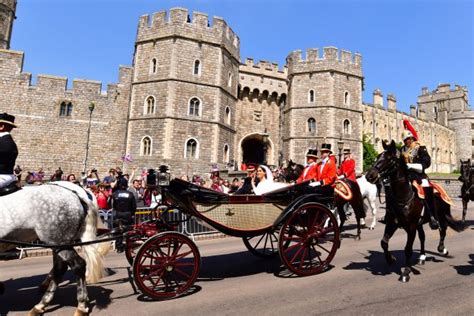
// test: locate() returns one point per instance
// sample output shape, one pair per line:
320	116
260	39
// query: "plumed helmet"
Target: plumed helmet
406	134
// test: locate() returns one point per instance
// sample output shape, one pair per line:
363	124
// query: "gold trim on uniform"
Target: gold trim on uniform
409	154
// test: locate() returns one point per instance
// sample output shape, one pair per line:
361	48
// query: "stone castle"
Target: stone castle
188	101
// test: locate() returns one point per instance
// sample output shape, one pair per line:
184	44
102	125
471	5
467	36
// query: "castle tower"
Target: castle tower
7	15
324	102
450	107
184	92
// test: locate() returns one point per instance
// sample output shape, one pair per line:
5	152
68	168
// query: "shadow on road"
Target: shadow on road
466	269
22	294
376	264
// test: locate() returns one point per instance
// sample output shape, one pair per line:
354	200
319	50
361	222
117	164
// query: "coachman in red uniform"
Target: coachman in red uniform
347	168
310	171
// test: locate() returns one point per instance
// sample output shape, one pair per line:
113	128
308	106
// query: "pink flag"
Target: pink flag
127	158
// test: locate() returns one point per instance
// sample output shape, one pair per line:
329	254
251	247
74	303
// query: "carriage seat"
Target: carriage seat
12	187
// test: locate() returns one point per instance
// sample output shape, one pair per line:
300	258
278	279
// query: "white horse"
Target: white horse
369	192
59	213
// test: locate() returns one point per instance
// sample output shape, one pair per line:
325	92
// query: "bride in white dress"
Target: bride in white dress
266	183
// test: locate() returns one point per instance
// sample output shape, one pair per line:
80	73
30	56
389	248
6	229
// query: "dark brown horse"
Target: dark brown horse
467	189
404	207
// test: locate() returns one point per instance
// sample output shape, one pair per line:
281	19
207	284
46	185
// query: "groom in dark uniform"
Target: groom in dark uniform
8	150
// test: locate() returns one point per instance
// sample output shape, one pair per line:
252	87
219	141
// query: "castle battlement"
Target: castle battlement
178	23
332	59
263	67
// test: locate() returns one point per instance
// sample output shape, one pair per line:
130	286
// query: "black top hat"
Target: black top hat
326	147
312	153
7	119
346	151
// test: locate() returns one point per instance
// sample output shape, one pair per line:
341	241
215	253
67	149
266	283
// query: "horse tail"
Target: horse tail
93	253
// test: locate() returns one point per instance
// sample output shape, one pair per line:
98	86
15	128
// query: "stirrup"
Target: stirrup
434	224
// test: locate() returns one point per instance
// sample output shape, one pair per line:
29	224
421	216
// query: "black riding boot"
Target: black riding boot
429	207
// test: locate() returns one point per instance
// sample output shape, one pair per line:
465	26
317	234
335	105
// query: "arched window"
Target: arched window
227	115
194	107
229	82
65	109
347	98
311	125
191	149
197	67
311	96
149	105
153	66
346	127
225	157
145	146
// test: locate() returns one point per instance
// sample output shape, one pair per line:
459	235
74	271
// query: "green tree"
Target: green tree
369	153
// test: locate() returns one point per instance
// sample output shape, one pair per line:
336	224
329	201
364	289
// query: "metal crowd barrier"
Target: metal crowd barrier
188	226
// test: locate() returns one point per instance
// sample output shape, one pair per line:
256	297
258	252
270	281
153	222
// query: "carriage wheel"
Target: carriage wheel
132	244
309	239
166	265
265	246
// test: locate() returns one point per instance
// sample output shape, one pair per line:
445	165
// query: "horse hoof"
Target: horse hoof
79	312
443	251
422	259
405	278
371	227
357	237
35	312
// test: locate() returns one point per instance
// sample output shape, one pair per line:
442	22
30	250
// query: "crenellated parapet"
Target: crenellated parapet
263	67
332	59
178	23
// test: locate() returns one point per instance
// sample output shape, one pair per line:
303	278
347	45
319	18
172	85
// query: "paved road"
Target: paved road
234	282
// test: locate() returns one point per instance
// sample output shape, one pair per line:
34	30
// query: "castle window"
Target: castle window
311	96
435	111
197	67
347	98
191	149
145	146
153	66
227	115
194	107
149	107
257	116
65	109
225	157
311	125
229	82
346	127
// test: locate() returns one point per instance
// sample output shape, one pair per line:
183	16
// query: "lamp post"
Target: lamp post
340	146
91	109
265	145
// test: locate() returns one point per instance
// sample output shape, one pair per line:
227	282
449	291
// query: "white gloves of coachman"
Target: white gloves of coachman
316	183
415	167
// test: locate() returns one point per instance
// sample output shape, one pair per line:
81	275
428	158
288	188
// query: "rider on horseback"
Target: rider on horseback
418	160
8	151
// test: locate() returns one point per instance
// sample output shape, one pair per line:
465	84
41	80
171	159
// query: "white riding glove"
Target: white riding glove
341	177
316	183
415	167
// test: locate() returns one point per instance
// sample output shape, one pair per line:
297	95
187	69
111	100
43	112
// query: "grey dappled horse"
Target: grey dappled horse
57	214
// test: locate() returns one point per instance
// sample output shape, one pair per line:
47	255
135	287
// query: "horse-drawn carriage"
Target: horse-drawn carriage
294	222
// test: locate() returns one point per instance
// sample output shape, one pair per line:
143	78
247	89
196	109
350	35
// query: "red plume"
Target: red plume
409	127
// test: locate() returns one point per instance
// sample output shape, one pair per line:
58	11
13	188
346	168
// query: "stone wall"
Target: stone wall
7	16
48	140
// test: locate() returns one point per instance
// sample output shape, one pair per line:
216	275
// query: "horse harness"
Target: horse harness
9	189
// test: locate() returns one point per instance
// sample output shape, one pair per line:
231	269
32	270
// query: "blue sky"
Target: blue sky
405	44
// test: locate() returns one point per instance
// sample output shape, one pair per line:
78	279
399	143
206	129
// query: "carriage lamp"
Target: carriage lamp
340	146
163	176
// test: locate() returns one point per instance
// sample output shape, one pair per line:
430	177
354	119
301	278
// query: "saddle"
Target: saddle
9	189
437	189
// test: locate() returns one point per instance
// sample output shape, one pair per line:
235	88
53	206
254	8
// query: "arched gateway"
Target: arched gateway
256	148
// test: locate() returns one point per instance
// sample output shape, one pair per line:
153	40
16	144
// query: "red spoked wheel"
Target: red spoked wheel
166	265
265	246
309	239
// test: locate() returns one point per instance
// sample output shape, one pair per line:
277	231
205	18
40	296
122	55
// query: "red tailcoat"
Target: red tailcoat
348	169
328	174
309	173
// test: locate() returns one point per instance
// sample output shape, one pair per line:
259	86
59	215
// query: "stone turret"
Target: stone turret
7	16
377	98
391	103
